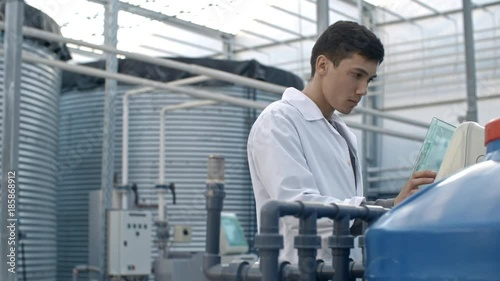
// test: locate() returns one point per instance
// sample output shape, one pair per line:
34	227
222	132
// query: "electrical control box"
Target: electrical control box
129	242
183	234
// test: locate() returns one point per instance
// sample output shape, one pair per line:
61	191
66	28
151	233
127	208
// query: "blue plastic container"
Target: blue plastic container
449	231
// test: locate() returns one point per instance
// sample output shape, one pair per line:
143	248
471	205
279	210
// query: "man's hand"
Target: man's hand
417	179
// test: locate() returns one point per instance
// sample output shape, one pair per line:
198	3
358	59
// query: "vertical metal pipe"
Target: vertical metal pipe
14	12
214	203
470	61
125	140
107	170
322	16
161	172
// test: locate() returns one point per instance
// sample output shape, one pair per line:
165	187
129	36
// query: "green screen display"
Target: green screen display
435	145
233	231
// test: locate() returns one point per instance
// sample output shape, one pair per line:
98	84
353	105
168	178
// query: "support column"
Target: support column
14	12
470	62
228	47
322	16
107	168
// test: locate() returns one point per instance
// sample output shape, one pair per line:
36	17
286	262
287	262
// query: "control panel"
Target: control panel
129	242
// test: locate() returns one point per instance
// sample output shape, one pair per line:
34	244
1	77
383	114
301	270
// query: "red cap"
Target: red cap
492	131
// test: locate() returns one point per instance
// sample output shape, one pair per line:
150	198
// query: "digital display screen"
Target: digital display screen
435	145
233	231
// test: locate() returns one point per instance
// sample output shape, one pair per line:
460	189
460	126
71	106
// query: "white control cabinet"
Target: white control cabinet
129	242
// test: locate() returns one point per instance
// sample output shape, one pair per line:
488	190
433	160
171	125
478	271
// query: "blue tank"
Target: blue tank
448	231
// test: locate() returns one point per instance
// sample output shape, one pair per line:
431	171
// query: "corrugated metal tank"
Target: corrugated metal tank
448	231
190	136
37	164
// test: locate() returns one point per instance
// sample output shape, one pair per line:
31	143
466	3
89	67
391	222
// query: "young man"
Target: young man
299	149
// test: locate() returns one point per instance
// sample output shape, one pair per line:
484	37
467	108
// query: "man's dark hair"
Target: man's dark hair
344	38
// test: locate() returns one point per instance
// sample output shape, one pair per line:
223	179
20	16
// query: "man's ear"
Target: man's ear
322	64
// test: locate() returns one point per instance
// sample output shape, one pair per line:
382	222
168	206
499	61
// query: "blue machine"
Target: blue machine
448	231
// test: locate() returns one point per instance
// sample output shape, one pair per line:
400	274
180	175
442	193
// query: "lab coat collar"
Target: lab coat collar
302	103
306	106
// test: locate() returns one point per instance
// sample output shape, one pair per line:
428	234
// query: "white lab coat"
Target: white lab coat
294	154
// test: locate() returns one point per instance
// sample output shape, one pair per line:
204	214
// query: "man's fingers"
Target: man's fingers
415	183
424	174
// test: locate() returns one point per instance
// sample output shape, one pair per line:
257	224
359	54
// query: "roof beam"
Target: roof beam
278	27
260	36
170	20
201	47
293	14
400	17
474	7
284	42
436	12
338	11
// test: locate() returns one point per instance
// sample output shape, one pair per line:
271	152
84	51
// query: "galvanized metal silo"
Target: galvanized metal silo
190	136
37	165
38	133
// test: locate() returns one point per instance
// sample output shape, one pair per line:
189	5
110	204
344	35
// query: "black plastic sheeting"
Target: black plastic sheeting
250	68
36	19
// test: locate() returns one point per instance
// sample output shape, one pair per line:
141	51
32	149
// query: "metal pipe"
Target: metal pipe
194	92
83	267
217	74
186	105
470	61
388	169
161	162
389	116
142	81
214	203
385	131
387	178
14	13
191	68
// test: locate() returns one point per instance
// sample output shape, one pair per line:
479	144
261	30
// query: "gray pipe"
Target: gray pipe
251	273
214	203
269	241
341	243
356	270
306	243
324	272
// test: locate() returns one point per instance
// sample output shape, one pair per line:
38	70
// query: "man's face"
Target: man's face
344	86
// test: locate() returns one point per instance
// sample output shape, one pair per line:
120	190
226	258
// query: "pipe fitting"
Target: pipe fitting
341	242
215	195
234	271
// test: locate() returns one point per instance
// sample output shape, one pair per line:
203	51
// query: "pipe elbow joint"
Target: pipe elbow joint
270	214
